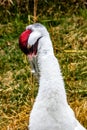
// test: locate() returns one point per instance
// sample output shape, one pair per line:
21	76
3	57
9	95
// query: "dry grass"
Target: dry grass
80	109
18	88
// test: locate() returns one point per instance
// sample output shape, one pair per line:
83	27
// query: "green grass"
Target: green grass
18	88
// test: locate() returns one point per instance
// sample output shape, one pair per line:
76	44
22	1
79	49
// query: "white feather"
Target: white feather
33	38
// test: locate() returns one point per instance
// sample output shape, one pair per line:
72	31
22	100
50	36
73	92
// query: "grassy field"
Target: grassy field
18	88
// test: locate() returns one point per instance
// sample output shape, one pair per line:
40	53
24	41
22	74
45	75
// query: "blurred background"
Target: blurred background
66	21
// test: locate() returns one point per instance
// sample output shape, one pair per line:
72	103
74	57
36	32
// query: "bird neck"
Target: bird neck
45	47
50	76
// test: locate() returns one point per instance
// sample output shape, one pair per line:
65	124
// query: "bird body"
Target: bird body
50	110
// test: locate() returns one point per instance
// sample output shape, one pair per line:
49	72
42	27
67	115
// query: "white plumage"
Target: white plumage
51	110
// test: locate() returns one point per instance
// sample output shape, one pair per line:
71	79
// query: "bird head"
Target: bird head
28	40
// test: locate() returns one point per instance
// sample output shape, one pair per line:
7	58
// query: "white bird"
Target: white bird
51	110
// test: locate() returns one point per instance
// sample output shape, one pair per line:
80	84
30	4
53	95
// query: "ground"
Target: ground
19	88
